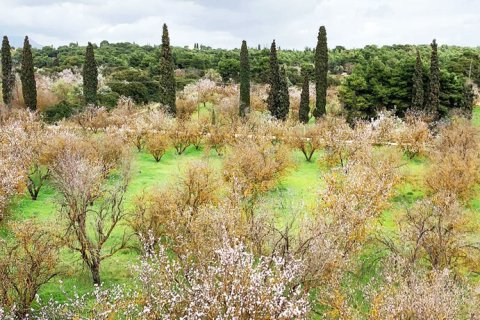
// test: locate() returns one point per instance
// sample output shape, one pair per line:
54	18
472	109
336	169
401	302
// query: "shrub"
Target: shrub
455	166
59	111
157	144
179	137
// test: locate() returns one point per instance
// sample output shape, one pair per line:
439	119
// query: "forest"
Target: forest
165	182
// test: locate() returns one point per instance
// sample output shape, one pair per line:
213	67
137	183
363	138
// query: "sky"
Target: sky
224	24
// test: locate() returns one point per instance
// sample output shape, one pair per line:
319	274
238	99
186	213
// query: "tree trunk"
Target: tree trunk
95	269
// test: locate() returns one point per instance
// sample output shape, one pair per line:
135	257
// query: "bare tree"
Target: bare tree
85	199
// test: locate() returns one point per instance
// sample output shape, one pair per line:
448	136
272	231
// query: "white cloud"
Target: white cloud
220	23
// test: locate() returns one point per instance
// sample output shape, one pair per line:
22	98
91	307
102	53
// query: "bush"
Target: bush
157	144
108	99
59	112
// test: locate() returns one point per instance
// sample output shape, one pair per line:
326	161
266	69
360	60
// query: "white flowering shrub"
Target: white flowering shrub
234	285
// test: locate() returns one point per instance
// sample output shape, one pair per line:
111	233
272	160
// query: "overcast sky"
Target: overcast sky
224	23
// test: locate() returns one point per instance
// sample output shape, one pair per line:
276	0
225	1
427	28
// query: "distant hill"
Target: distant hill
17	42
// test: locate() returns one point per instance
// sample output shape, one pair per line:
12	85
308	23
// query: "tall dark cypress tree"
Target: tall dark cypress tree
167	76
244	80
417	90
278	102
29	85
90	76
8	79
304	110
274	81
321	70
433	103
284	106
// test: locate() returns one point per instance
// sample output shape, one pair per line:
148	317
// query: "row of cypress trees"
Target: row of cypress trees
278	97
430	103
27	76
90	74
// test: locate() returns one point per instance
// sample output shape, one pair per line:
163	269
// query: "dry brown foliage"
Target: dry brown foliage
92	118
179	136
157	144
258	97
440	231
186	106
415	138
172	213
338	137
418	294
29	260
217	138
110	148
455	160
307	139
256	165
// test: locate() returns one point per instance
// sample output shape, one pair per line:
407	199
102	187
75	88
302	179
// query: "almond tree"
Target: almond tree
79	179
29	261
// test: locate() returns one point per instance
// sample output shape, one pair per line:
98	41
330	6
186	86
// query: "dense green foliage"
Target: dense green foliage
417	90
167	76
278	103
383	78
304	110
244	80
321	71
7	72
59	112
29	86
90	76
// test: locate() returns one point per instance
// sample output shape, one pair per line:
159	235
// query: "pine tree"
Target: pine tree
304	110
8	79
284	106
29	86
90	76
434	85
244	80
321	70
417	91
167	76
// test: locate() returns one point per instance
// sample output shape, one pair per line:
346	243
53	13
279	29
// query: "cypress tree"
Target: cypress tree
274	81
29	86
284	106
417	91
304	110
244	80
8	79
90	76
321	70
434	85
278	102
167	76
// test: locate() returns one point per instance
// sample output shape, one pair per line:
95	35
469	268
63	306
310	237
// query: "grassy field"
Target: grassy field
298	190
